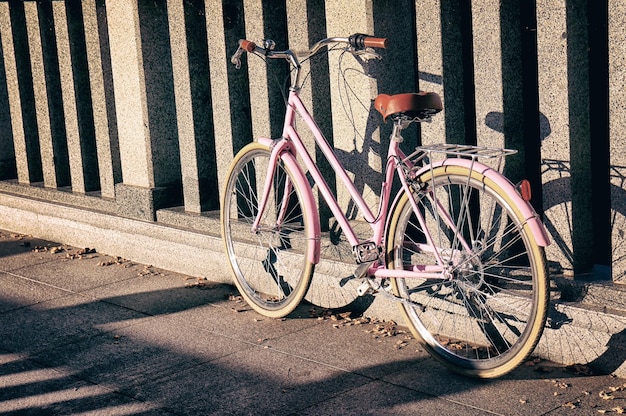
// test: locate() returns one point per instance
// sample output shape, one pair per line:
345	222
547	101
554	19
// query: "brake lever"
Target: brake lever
236	58
366	54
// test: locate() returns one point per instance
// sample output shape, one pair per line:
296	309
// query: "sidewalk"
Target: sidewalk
85	333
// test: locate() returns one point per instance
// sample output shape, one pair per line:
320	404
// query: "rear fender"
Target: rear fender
525	210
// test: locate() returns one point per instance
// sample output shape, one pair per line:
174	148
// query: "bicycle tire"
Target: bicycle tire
488	314
270	267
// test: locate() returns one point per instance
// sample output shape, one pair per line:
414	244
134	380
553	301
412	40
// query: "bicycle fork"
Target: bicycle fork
278	146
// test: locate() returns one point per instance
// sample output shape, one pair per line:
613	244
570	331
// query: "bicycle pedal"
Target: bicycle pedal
364	289
371	286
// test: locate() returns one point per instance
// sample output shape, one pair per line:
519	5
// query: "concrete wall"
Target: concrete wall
125	112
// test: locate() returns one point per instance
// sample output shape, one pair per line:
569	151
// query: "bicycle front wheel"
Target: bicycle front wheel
486	312
270	266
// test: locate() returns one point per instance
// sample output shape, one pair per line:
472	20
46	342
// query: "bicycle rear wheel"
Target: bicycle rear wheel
270	267
486	313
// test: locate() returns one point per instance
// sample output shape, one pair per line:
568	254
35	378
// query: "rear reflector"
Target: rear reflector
523	187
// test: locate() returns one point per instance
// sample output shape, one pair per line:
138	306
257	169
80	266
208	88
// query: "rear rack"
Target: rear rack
462	150
424	155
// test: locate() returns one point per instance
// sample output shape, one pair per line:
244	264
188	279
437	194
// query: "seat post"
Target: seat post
399	123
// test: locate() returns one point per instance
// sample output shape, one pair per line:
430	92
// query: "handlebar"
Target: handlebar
358	41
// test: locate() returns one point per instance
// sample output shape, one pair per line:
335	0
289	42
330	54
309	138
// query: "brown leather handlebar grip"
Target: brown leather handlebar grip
247	45
372	42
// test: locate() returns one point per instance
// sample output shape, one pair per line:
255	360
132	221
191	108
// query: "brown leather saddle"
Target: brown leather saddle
413	105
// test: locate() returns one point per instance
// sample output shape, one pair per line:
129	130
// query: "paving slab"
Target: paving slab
60	321
29	389
18	292
355	345
379	398
147	351
158	294
253	381
77	274
17	251
201	304
536	387
244	324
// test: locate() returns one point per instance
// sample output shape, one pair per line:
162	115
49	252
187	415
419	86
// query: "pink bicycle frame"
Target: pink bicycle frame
290	146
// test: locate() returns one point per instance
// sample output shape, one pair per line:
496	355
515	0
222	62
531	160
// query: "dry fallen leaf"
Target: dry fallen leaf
57	249
605	396
401	344
150	271
117	260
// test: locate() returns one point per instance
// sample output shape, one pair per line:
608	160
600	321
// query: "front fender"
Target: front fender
308	203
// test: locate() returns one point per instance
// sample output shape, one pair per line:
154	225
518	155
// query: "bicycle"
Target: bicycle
458	246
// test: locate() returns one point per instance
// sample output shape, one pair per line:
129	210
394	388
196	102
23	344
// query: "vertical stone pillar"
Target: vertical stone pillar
130	96
7	152
397	71
487	41
258	71
219	88
144	175
581	141
134	194
302	34
20	92
430	65
45	77
554	107
356	139
458	76
184	108
564	101
70	111
106	158
306	26
498	80
617	120
228	89
14	113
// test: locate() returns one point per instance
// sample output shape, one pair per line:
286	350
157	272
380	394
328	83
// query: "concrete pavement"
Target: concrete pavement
86	333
